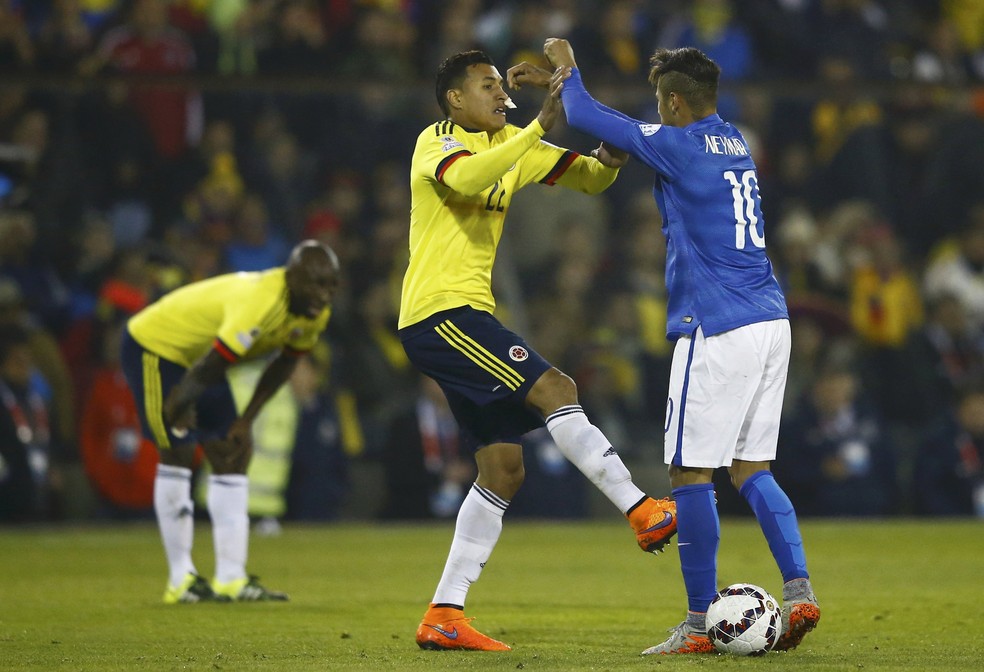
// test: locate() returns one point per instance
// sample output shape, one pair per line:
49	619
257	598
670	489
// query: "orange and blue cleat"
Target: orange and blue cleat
654	522
444	628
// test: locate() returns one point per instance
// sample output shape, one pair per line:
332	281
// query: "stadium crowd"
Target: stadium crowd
145	144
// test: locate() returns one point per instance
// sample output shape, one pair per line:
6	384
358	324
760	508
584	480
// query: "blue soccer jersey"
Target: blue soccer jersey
718	276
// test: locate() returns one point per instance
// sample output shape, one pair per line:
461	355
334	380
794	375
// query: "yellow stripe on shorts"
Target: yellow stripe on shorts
153	399
476	353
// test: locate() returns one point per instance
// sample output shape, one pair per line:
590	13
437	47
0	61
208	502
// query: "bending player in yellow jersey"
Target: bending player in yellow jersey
464	172
175	355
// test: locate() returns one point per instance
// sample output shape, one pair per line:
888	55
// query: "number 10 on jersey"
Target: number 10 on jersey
744	191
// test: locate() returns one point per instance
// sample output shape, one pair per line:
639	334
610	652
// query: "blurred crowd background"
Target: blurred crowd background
149	143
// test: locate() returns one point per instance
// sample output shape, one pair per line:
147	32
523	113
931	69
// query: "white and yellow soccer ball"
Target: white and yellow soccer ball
744	619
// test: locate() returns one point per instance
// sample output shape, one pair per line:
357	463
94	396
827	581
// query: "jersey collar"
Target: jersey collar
709	120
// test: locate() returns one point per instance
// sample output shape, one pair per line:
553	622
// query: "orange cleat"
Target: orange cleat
655	523
798	619
445	628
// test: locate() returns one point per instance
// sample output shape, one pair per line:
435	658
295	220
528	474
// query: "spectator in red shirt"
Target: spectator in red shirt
120	464
147	44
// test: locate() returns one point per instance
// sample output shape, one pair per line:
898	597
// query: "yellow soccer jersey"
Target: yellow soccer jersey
242	315
461	184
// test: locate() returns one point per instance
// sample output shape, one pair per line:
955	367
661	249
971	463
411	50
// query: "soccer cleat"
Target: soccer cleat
799	617
248	590
684	639
655	523
193	589
444	628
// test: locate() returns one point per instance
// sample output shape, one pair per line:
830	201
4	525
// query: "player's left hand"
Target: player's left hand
527	73
552	105
610	156
557	80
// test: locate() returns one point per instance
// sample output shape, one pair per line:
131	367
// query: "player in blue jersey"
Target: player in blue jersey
728	317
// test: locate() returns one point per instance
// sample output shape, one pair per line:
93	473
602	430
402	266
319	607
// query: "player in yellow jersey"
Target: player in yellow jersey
175	355
464	173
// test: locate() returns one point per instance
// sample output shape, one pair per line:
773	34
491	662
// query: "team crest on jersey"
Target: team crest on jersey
296	332
450	143
246	339
649	129
518	353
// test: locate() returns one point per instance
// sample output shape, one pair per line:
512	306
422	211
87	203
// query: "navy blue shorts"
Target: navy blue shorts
151	378
485	370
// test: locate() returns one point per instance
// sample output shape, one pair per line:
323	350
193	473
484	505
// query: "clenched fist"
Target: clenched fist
559	52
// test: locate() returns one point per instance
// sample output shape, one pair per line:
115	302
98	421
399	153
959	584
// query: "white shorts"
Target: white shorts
726	396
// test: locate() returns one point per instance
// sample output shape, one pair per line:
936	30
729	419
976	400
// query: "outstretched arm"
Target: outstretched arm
584	112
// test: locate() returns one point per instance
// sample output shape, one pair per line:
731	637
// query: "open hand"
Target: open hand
552	105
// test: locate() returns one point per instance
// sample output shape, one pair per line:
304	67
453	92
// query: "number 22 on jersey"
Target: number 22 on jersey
496	204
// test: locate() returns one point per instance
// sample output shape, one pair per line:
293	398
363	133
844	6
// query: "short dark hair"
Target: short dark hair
307	250
453	71
688	72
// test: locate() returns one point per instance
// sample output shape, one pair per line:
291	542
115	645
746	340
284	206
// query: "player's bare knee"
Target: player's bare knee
504	478
225	457
738	477
740	471
553	390
681	476
513	480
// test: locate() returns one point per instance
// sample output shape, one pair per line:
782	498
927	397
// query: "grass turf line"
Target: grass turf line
896	595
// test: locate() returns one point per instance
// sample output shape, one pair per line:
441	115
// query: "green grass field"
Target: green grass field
568	596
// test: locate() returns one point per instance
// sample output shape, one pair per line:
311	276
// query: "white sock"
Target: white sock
228	501
587	448
176	519
475	535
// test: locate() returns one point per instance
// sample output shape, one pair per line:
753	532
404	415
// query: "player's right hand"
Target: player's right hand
179	427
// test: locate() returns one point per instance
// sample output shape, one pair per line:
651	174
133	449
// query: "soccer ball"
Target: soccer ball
744	620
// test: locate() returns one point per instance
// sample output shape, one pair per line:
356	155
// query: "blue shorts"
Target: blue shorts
485	370
151	378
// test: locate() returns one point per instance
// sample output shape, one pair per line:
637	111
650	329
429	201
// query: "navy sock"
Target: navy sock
698	535
777	519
